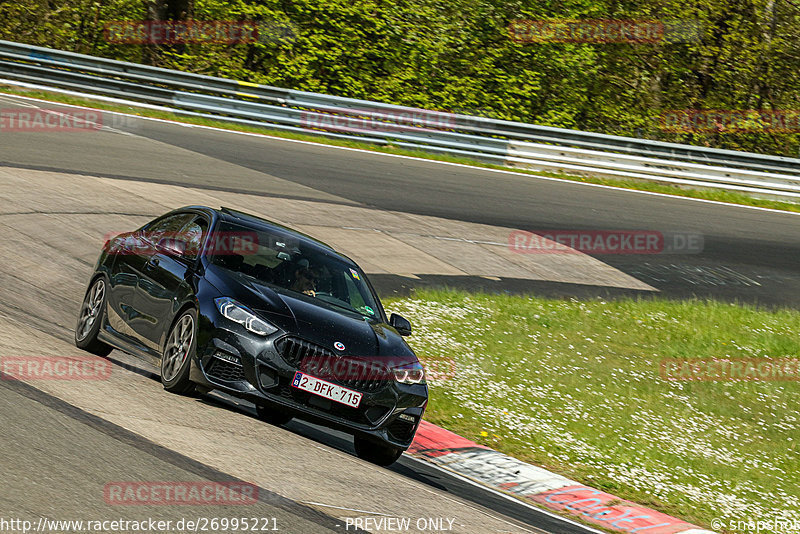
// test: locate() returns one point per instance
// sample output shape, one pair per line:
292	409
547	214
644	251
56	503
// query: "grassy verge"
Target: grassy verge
710	194
575	387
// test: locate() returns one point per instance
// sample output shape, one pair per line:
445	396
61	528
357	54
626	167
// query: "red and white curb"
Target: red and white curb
536	485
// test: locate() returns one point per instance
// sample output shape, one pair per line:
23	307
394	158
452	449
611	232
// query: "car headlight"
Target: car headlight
412	373
238	313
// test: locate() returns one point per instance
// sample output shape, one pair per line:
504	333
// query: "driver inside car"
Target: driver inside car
305	281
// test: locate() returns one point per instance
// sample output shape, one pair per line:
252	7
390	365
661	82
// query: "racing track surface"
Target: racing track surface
53	225
750	255
70	438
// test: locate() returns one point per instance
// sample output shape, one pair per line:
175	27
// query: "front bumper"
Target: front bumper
231	359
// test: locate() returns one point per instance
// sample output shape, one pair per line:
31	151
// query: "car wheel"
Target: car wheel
90	320
273	415
178	354
376	452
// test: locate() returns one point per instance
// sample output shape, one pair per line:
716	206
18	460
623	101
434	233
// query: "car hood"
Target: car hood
312	319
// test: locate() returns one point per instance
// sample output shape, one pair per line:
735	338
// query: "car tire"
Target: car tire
179	350
90	319
375	452
273	415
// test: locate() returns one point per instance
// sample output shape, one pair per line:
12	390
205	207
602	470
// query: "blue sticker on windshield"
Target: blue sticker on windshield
355	275
369	310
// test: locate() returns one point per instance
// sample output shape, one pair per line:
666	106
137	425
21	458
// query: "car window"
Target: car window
355	296
168	227
193	233
282	261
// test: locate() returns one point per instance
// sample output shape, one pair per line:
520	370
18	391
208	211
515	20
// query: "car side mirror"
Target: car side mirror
172	246
401	324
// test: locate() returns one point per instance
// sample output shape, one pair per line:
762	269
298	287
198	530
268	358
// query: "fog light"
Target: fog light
406	417
267	378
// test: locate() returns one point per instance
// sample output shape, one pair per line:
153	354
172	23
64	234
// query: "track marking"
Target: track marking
10	101
505	495
309	503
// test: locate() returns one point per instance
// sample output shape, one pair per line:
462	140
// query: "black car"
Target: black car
224	300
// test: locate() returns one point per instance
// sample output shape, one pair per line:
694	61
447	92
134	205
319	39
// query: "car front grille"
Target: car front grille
226	371
355	373
294	350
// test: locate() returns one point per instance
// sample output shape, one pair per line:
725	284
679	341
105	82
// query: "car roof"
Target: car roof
259	223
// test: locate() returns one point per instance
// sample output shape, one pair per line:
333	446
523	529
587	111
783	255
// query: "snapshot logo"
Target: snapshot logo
603	31
730	121
772	525
217	244
603	242
731	370
50	120
175	32
374	121
180	493
54	368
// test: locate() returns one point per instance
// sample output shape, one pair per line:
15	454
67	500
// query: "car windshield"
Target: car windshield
280	260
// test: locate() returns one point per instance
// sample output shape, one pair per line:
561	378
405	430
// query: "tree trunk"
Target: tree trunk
160	10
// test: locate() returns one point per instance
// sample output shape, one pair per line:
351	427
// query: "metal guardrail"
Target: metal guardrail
505	142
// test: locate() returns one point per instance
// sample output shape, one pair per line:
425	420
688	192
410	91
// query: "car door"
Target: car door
130	255
164	273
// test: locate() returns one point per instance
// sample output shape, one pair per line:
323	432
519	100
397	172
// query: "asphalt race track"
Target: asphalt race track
63	441
749	255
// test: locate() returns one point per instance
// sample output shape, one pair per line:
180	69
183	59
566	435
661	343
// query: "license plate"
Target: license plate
326	389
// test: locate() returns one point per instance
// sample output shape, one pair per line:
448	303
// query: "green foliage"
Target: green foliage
457	55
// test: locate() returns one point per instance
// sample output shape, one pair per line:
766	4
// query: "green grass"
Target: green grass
575	387
706	194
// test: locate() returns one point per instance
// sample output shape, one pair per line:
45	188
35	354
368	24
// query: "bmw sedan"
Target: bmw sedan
223	300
